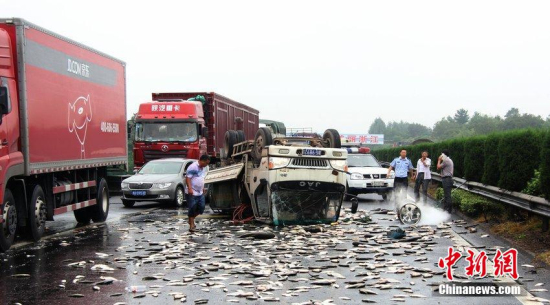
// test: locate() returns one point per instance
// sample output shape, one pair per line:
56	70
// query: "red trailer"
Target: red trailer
63	122
189	124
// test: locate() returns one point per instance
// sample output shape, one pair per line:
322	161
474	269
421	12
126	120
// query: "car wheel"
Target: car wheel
9	226
179	199
100	210
262	139
37	214
128	203
332	138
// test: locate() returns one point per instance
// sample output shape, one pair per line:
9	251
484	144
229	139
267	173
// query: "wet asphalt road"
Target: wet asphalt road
132	235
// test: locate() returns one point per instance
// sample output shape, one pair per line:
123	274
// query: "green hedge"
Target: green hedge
474	205
545	166
506	159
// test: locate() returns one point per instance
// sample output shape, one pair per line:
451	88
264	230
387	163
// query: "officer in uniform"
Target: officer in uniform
402	166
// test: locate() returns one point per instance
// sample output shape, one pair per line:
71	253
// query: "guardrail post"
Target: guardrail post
545	224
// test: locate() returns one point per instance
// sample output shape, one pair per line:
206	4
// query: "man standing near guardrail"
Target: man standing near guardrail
446	165
403	166
422	176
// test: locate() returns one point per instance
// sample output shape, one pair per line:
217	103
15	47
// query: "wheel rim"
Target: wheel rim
179	197
259	145
40	213
10	220
409	214
104	200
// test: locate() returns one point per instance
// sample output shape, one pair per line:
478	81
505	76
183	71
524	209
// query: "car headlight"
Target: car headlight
356	176
124	185
162	185
339	164
277	162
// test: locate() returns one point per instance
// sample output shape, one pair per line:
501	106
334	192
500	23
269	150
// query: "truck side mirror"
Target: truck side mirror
204	131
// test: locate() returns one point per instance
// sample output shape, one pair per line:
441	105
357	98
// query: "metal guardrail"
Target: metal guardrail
526	202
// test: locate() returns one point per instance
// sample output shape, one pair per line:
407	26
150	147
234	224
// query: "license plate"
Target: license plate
378	183
311	152
139	193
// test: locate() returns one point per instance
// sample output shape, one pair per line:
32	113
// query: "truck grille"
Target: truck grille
375	176
310	162
140	186
157	154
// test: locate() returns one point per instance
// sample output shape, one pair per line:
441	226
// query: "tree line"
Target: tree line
461	124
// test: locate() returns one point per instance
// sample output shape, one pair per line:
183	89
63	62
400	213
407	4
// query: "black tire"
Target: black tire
332	136
262	139
8	228
241	137
385	197
179	201
229	142
100	210
82	216
37	213
128	203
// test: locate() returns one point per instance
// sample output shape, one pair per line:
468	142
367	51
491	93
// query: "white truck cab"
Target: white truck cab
366	174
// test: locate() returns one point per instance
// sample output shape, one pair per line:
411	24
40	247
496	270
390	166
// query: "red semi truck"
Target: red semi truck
62	123
189	124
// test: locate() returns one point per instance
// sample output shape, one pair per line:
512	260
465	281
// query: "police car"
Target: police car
366	174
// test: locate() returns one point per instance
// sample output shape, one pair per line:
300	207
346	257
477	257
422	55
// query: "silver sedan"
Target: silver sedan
159	180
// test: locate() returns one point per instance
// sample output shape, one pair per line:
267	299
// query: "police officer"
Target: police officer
402	166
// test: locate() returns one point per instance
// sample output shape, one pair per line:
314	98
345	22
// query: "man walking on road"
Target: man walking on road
446	165
403	166
423	177
195	189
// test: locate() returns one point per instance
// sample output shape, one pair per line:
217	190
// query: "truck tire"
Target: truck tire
37	214
229	142
100	210
128	203
262	139
333	138
241	137
82	216
9	226
179	199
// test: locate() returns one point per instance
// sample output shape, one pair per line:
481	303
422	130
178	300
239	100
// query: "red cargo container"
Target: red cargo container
63	110
218	113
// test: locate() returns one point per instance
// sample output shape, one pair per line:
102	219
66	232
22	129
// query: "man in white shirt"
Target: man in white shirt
422	176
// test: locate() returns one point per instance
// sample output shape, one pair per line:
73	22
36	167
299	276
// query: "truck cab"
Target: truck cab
169	129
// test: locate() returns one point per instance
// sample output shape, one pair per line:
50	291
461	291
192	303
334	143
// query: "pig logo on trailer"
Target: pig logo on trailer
80	114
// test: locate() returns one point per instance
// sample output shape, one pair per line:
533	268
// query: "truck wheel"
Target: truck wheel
332	137
128	203
100	210
37	214
9	226
241	137
180	197
82	216
229	142
262	139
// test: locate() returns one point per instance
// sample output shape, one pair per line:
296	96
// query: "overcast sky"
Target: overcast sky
322	64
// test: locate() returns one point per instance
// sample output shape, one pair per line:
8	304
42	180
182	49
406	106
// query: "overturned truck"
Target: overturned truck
281	180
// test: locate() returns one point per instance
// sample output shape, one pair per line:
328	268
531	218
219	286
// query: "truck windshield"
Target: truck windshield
362	161
166	132
161	168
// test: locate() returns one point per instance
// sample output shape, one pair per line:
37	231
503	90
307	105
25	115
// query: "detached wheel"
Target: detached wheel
241	137
332	138
100	210
179	200
128	203
354	205
385	196
262	139
37	214
229	142
9	226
